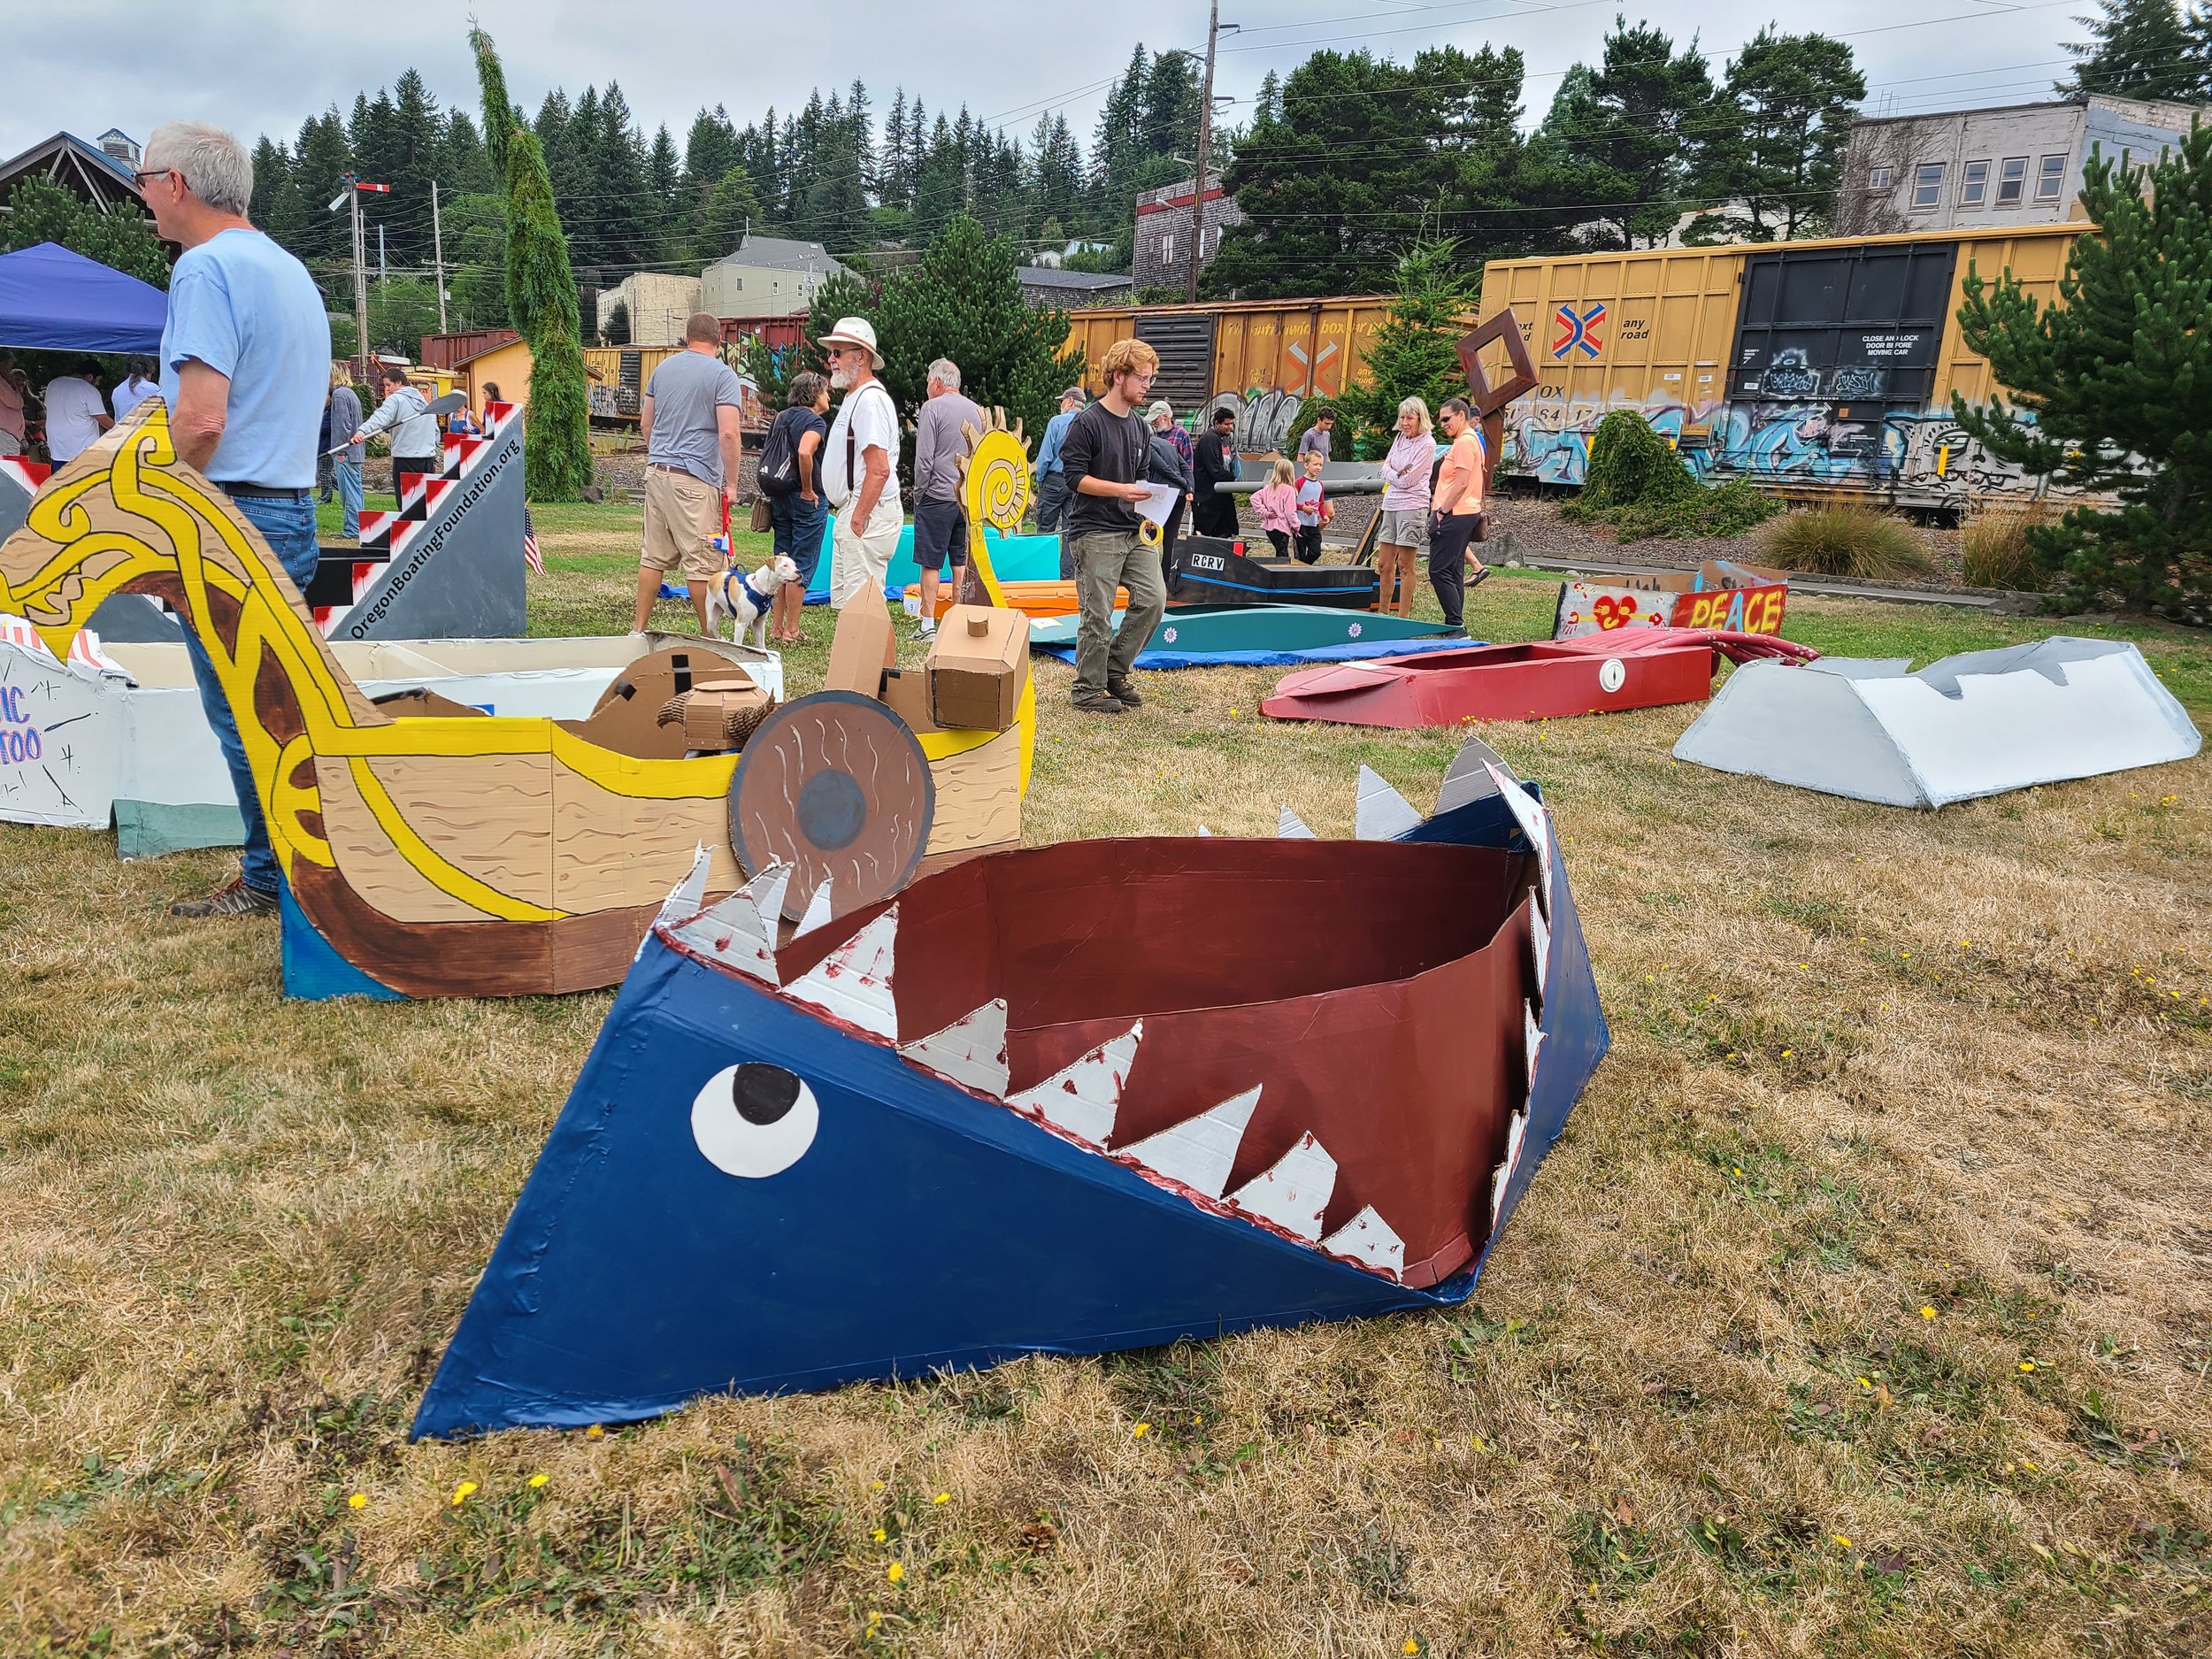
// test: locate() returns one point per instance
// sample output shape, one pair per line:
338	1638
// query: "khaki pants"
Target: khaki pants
1105	560
859	560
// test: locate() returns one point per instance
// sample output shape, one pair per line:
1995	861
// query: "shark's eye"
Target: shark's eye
754	1119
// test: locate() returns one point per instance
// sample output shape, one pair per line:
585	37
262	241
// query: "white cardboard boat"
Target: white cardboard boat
1977	724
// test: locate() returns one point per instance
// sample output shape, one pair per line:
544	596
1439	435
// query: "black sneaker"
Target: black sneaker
1128	693
1481	575
233	898
1099	702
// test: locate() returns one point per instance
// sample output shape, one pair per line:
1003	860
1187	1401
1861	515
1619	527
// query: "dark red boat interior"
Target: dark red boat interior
1373	992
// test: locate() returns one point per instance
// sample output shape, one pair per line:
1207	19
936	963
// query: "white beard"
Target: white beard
841	379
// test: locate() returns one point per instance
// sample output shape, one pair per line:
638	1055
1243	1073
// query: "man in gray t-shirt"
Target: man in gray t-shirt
944	434
689	414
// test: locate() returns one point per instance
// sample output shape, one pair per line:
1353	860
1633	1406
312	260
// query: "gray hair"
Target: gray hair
946	373
1416	406
216	166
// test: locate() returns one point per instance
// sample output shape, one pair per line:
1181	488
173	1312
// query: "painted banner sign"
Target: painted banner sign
1736	598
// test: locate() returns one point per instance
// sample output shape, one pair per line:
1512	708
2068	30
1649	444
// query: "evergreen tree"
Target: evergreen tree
2113	387
120	237
467	169
319	161
2139	49
1415	347
1056	173
276	200
848	294
541	298
722	222
1775	138
1620	131
664	184
963	301
894	183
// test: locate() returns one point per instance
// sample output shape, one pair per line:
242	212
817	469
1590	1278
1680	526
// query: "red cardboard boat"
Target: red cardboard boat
1640	668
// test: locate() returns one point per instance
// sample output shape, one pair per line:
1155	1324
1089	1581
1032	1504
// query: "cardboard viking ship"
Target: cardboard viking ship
435	850
1064	1099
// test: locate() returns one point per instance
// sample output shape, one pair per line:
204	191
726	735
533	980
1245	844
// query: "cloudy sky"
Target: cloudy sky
84	65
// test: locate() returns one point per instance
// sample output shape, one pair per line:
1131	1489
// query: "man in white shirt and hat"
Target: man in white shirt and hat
857	465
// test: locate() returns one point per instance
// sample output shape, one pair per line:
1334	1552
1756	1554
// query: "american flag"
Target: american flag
530	554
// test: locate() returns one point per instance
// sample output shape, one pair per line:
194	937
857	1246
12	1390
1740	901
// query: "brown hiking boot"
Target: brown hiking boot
233	898
1098	703
1126	692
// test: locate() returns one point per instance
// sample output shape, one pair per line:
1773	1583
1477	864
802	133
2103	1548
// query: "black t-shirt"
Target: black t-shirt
1103	445
797	421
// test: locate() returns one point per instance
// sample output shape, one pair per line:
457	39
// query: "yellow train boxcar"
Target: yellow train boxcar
1264	358
1814	367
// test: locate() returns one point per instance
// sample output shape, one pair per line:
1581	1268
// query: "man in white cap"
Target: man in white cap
856	465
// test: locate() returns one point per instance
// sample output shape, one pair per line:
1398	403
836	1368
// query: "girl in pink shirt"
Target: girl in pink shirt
1277	504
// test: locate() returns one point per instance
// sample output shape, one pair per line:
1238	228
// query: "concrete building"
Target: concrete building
656	304
1972	169
768	276
1164	220
1049	288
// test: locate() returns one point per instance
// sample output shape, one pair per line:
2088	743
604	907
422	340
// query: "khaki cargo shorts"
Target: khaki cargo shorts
1401	528
683	515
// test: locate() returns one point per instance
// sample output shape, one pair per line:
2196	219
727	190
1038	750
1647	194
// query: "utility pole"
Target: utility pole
437	253
350	195
1205	142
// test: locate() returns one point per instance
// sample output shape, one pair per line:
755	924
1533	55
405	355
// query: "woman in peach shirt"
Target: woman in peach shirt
1458	516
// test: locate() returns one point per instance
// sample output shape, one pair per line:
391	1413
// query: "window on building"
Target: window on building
1974	184
1927	184
1167	249
2012	174
2050	178
1880	178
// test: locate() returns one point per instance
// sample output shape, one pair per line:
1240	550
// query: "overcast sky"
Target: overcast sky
256	66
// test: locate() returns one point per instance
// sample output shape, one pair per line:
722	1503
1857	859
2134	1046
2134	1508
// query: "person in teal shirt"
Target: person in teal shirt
1052	478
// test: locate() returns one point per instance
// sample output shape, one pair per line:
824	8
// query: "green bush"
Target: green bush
1640	486
1857	541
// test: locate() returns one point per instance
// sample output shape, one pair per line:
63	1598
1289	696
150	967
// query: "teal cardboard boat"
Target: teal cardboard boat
1208	630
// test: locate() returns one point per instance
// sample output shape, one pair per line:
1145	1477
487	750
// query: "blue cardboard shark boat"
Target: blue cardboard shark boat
1068	1098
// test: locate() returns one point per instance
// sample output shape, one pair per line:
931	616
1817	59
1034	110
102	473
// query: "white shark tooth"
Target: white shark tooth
1380	813
688	896
1084	1098
1200	1151
738	929
1290	828
1368	1238
817	910
1539	943
1535	824
1294	1192
1533	1042
854	981
1516	1131
970	1051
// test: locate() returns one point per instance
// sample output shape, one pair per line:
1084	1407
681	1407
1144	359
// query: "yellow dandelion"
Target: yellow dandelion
538	1480
2027	1365
594	1431
2026	1465
942	1497
875	1486
1785	1054
359	1500
895	1571
461	1493
1966	944
1842	1542
874	1618
1927	1313
1411	1645
1864	1384
878	1535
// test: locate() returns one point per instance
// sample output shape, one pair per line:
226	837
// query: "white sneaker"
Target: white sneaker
927	631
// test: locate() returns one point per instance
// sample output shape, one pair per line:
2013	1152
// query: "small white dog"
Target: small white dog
746	600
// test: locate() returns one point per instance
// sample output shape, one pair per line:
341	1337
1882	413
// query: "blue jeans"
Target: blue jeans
288	527
347	474
800	527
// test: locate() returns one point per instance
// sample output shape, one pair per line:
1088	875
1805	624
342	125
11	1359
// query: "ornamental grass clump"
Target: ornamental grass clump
1851	540
1638	484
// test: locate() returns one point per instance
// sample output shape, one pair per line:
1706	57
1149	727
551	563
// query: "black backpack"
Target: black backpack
779	469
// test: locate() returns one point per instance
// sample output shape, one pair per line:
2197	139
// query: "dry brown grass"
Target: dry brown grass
1865	1063
1993	547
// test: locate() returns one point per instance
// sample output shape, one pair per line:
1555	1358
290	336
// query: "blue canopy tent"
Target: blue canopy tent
51	299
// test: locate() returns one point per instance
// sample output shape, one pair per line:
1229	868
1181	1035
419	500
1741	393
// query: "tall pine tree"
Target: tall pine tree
2140	48
2113	386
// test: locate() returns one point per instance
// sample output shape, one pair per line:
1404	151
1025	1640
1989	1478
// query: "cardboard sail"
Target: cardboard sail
423	854
1973	724
1601	674
992	1115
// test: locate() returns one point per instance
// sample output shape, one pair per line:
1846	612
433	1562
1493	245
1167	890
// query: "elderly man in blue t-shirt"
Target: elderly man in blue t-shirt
244	357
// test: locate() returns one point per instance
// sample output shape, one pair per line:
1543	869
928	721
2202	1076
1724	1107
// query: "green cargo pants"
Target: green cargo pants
1105	560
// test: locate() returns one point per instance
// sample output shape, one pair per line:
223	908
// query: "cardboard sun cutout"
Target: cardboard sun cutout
1065	1099
445	852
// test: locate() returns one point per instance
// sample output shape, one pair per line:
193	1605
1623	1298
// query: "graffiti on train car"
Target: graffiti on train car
1924	455
1263	418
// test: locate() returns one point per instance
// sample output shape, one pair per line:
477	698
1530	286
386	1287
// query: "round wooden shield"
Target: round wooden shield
837	786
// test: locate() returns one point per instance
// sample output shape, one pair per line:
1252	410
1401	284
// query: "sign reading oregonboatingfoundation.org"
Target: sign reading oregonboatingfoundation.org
449	564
